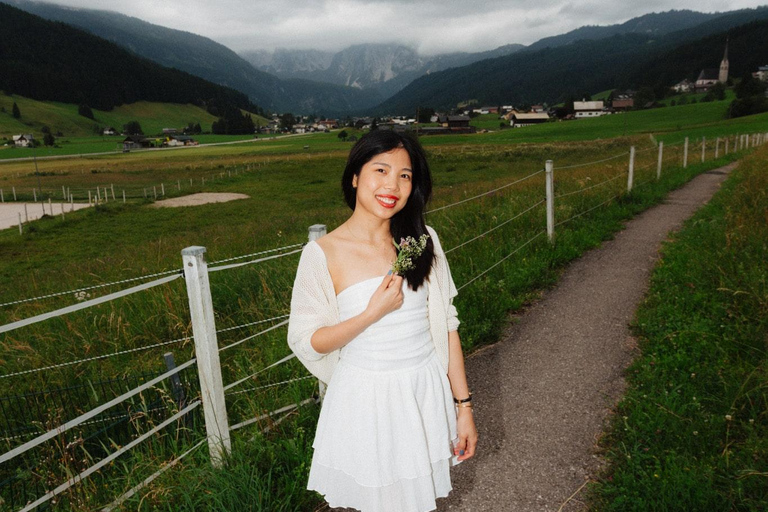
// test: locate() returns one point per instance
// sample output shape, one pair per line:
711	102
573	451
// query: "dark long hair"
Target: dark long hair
410	220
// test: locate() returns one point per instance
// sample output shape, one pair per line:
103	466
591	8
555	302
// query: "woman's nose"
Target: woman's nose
392	183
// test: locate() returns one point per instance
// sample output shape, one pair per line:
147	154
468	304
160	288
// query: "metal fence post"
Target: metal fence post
315	232
550	188
207	353
661	156
685	154
703	149
631	174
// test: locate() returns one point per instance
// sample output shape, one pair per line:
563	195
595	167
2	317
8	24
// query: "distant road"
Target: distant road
120	152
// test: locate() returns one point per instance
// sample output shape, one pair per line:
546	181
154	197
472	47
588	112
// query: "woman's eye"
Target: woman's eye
406	176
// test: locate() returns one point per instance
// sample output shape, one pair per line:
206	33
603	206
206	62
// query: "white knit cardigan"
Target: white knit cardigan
314	305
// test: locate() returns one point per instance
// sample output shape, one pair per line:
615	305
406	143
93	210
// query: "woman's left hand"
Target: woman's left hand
465	427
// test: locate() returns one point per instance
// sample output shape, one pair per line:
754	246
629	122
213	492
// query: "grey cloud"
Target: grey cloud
430	26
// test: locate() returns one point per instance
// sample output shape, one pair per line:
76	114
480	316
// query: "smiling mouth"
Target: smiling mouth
387	201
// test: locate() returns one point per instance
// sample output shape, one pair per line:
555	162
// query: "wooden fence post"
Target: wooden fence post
550	190
685	154
658	164
703	149
20	228
315	232
631	174
14	193
717	147
207	353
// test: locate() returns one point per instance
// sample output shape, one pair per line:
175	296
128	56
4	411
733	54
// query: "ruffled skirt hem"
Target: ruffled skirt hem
404	495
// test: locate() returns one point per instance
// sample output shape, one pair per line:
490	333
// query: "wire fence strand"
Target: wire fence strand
486	193
587	211
621	175
87	288
585	164
96	358
252	262
498	226
500	261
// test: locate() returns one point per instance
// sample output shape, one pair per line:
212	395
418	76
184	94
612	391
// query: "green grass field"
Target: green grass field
691	432
63	117
290	188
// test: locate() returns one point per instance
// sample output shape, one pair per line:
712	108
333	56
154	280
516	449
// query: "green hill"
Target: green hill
55	62
63	117
207	59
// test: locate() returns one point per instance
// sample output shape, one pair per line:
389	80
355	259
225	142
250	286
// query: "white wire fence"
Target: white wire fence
195	271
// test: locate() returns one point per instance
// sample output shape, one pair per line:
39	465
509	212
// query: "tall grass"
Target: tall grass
691	432
113	241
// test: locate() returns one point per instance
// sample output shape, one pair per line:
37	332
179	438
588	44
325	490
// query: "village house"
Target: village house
589	109
169	131
330	124
518	120
537	109
762	73
110	130
299	128
623	104
24	140
684	86
136	142
179	140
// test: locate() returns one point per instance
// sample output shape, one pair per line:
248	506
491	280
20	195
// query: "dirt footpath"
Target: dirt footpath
543	393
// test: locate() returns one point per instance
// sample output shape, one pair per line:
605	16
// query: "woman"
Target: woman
385	343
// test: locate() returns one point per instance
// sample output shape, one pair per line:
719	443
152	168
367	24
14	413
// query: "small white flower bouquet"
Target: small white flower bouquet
408	250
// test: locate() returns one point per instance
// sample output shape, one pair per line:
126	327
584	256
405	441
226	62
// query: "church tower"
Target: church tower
723	77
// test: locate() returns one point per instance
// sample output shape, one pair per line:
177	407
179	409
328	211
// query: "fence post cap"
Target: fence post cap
317	227
195	250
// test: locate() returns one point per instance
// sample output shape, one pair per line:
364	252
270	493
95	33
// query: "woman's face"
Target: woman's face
384	183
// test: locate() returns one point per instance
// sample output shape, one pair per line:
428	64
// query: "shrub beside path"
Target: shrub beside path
543	394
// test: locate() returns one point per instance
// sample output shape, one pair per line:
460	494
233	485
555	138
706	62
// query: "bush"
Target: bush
133	128
748	106
85	111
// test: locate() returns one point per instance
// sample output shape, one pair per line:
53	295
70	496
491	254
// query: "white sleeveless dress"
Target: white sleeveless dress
383	441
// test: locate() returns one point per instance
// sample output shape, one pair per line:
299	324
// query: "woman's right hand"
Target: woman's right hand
387	297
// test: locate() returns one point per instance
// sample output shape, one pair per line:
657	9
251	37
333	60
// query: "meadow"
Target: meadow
691	432
290	188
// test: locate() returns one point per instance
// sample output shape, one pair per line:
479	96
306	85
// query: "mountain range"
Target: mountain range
207	59
391	78
623	60
385	68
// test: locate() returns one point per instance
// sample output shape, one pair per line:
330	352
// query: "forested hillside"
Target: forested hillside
207	59
583	67
45	60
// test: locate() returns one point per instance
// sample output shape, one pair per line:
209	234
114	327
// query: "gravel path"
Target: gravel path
544	392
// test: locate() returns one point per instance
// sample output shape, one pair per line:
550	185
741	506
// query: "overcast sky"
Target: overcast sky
430	26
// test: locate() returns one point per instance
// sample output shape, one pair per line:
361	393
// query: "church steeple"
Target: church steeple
723	76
